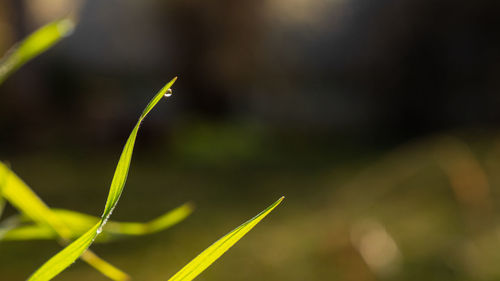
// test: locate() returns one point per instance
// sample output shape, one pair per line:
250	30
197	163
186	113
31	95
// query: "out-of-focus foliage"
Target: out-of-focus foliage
35	44
79	223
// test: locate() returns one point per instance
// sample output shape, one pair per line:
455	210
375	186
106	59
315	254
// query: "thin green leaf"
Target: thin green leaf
25	200
10	223
79	223
212	253
28	203
26	232
66	257
36	43
121	172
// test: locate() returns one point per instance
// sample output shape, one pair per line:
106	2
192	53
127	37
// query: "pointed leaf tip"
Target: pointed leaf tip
216	250
66	27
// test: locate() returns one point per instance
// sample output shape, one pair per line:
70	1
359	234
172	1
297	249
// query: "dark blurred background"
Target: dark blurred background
377	119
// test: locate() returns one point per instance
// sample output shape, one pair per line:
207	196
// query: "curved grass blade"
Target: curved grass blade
28	203
59	262
212	253
121	172
79	223
68	255
167	220
36	43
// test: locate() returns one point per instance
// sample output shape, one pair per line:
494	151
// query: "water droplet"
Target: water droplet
99	230
168	93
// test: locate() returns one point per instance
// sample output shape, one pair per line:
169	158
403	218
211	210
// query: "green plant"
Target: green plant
35	44
65	225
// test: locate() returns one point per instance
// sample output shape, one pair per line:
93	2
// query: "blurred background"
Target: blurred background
378	120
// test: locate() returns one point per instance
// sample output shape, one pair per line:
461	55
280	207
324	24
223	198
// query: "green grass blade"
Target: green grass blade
66	257
10	223
25	200
79	223
212	253
121	172
28	203
36	43
18	231
165	221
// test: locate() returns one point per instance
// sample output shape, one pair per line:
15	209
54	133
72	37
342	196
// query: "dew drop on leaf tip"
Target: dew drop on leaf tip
168	93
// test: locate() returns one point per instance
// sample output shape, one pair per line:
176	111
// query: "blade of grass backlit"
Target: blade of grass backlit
10	223
36	43
65	257
212	253
121	172
69	254
79	223
28	203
